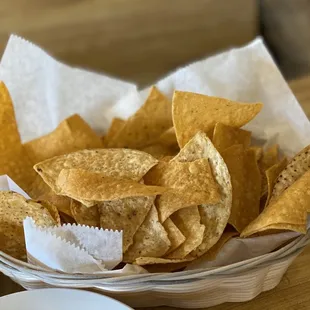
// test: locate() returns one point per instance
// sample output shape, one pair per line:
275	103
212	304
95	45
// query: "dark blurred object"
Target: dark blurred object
285	26
137	40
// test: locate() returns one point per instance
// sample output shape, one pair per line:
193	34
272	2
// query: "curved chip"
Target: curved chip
174	234
119	163
294	170
288	211
84	215
92	187
150	240
195	112
125	214
213	216
14	208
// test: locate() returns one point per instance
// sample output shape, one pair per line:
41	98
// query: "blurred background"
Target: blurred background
141	40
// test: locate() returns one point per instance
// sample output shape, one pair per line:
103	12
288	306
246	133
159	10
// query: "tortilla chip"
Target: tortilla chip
51	209
269	158
195	112
289	209
258	152
225	136
14	208
160	151
9	136
150	240
126	214
294	170
168	138
115	127
246	185
144	127
90	187
174	234
213	216
83	215
119	163
157	260
71	135
272	174
60	202
192	183
66	219
15	163
188	221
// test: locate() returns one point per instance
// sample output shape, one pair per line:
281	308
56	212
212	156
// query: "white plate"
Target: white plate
60	299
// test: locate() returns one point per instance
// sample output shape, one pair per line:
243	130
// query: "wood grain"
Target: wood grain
136	40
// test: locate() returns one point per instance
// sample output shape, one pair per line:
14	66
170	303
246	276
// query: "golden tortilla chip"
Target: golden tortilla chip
294	170
119	163
174	234
92	187
71	135
15	163
51	209
195	112
272	174
144	127
258	152
192	183
150	240
188	221
14	208
66	219
226	136
83	215
160	151
168	138
213	216
60	202
158	260
115	127
9	136
269	158
246	185
126	214
288	210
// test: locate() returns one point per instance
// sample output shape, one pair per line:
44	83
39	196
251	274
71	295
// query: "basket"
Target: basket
237	282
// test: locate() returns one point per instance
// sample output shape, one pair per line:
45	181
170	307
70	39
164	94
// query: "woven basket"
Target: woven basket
237	282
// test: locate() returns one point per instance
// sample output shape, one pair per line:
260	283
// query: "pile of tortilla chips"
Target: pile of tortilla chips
178	178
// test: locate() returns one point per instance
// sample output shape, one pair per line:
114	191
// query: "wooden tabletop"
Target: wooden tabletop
294	290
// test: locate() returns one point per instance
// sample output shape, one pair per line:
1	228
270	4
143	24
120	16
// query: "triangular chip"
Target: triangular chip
158	260
294	170
115	127
83	215
51	209
192	184
14	208
9	136
15	163
168	138
188	221
225	136
269	158
213	216
150	240
126	214
258	150
174	234
71	135
246	185
92	187
120	163
289	210
60	202
195	112
160	151
272	174
144	127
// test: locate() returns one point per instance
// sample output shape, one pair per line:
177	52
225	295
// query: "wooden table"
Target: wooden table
294	290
